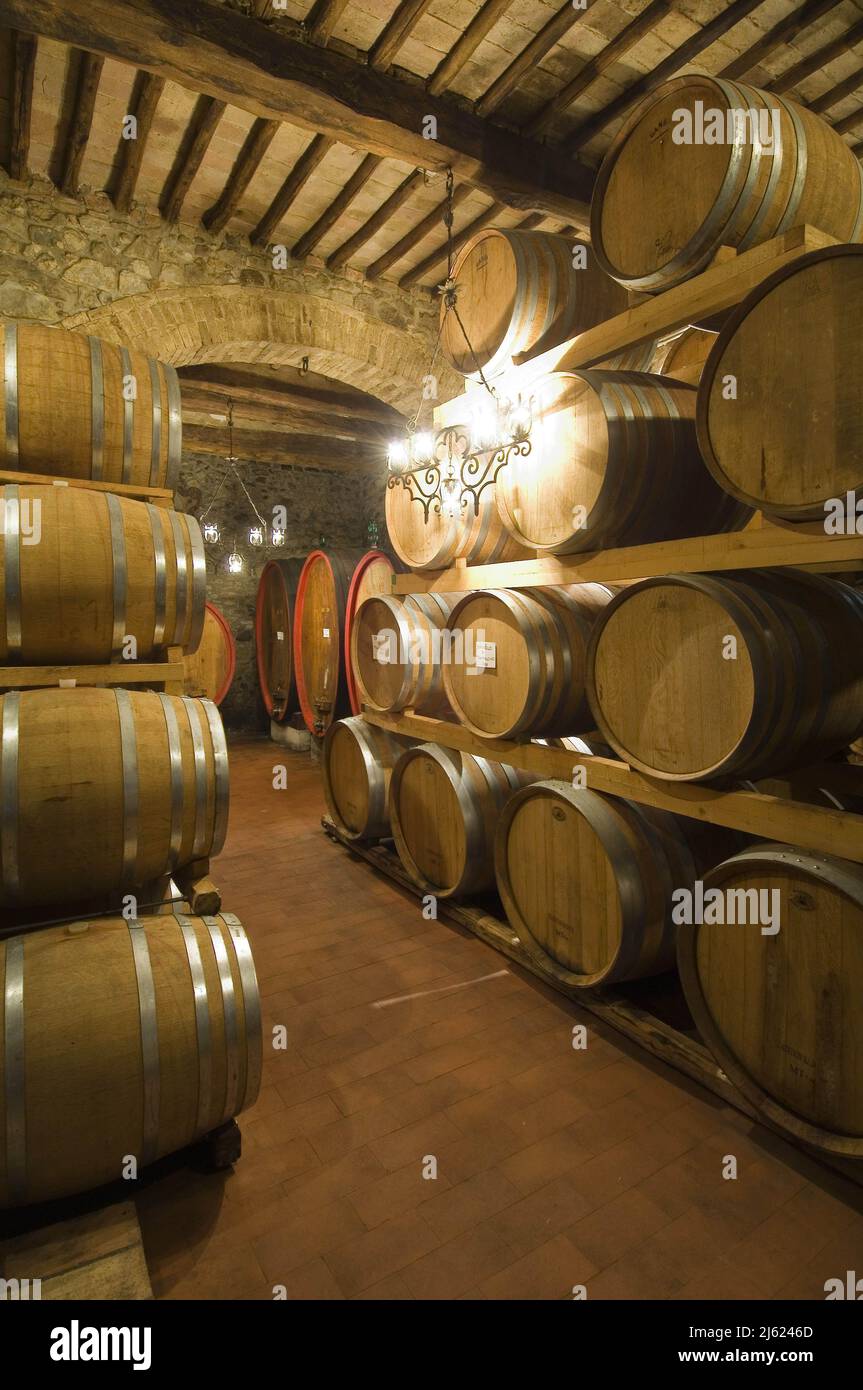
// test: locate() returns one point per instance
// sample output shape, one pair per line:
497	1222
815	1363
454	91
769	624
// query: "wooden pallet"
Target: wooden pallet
630	1009
159	496
167	675
819	829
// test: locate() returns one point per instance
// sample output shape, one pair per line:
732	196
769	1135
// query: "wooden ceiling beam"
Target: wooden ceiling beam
330	216
463	50
21	105
439	255
316	150
377	220
323	18
383	51
196	141
681	56
813	62
221	381
202	405
415	235
299	450
246	165
843	89
849	122
541	44
211	49
780	34
626	39
148	90
86	89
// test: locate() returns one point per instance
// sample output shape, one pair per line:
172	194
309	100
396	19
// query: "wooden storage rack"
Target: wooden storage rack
166	675
159	496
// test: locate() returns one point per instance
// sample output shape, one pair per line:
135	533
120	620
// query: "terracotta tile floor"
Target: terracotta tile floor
408	1041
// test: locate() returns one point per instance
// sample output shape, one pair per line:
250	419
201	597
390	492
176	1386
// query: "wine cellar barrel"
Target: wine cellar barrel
586	881
791	438
149	791
696	676
398	650
519	293
444	807
81	572
155	1041
357	762
523	659
209	674
662	208
780	1010
614	461
436	542
318	636
274	644
373	575
79	407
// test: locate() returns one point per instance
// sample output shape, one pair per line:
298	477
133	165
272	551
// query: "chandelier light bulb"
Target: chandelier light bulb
520	419
423	446
235	562
451	497
397	456
256	535
484	424
278	537
211	533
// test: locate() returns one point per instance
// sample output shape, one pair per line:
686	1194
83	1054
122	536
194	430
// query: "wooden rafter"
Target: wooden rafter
843	89
813	62
221	381
849	122
317	148
687	51
460	54
399	27
533	53
21	106
145	100
203	403
377	220
86	88
255	146
272	446
211	49
330	216
626	39
196	141
781	33
439	255
415	235
323	18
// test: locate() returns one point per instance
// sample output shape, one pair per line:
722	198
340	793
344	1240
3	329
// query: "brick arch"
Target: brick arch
236	323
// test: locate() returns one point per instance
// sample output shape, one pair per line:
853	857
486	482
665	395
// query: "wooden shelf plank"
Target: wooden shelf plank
161	496
116	673
821	830
757	547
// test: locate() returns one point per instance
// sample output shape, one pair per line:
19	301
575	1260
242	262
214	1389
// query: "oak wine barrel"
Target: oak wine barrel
120	1038
781	1011
613	461
357	762
318	635
373	575
81	572
444	806
436	542
274	645
792	437
79	407
103	791
699	676
586	880
210	672
661	209
518	293
524	659
398	651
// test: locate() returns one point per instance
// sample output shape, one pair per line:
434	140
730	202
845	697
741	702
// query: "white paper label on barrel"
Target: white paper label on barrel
280	637
326	632
67	685
486	655
60	482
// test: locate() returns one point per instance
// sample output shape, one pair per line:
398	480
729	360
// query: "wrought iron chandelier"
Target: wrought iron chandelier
446	470
260	536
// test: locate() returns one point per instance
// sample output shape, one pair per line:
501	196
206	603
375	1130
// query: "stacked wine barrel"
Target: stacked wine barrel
737	680
113	782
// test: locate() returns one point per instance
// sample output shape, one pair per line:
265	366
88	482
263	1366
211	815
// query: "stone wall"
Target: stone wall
319	503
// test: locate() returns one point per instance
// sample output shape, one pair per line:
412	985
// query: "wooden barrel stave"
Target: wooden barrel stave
274	644
357	762
105	569
118	1070
103	791
78	407
318	636
210	672
778	1015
